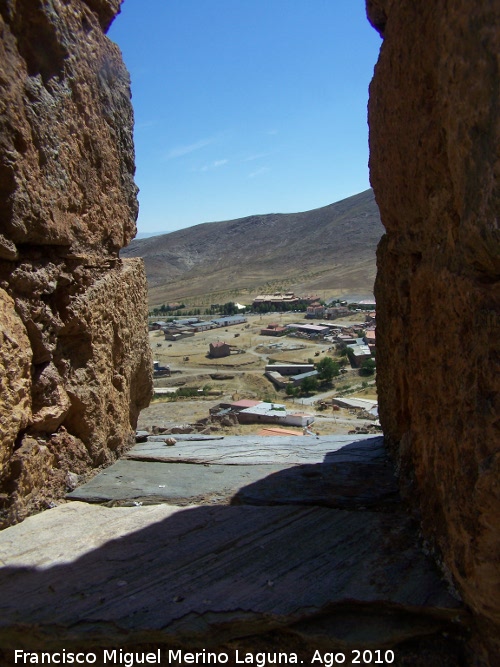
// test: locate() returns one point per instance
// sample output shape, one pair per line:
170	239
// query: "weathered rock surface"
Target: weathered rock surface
340	472
435	141
75	361
254	449
201	576
15	380
299	578
179	483
66	128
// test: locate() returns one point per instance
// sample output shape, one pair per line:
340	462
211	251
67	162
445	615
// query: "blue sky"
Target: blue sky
245	107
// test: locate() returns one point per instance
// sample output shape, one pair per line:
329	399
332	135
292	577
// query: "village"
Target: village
282	372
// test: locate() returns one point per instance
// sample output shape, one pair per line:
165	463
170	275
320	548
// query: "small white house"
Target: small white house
274	413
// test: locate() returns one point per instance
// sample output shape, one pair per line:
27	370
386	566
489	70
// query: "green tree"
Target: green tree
308	385
229	308
367	367
327	369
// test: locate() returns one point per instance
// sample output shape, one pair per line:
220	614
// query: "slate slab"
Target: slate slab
256	450
358	476
145	481
183	437
204	575
346	486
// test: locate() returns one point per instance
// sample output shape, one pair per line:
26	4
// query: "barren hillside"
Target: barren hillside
325	249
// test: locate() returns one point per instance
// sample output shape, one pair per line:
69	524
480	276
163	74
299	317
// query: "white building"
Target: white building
274	413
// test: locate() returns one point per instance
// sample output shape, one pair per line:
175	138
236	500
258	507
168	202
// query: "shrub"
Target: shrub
308	385
367	367
327	369
186	392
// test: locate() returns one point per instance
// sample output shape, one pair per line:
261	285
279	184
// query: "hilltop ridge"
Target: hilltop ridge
326	248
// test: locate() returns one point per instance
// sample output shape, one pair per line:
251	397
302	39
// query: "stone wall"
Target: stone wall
434	116
75	364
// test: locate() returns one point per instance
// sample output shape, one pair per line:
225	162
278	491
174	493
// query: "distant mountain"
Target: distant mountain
321	250
147	235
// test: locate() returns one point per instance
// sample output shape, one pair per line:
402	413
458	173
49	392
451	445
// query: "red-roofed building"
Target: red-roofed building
219	349
244	403
315	310
370	339
273	330
370	336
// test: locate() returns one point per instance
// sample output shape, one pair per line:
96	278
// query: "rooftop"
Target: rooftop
219	343
245	403
301	376
262	408
313	328
229	319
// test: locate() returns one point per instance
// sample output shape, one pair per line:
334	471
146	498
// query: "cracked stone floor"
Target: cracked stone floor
292	543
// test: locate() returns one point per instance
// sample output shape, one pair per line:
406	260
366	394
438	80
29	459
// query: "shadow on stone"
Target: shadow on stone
221	576
358	476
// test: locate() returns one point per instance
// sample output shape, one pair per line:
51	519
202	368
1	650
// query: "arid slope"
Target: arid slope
327	248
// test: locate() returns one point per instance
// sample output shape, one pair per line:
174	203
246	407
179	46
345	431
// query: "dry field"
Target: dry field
193	292
241	375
